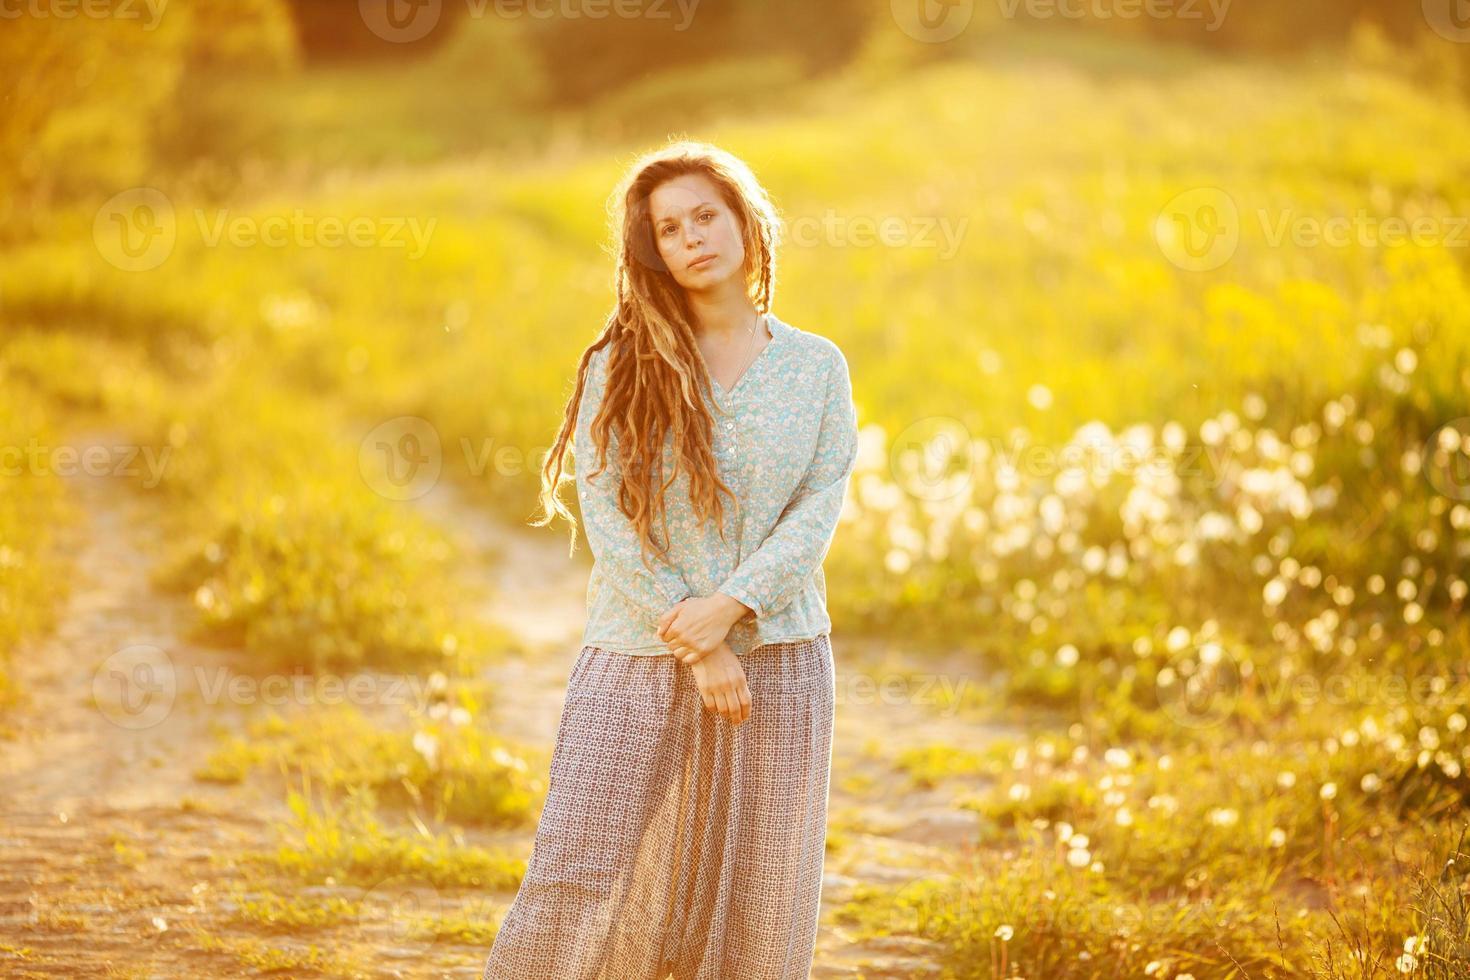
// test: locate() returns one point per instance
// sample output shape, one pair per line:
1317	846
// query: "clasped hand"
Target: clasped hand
695	627
695	630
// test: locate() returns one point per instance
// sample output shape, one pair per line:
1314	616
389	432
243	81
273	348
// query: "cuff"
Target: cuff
737	593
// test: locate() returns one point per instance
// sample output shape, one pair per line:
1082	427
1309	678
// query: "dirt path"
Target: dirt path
105	830
118	862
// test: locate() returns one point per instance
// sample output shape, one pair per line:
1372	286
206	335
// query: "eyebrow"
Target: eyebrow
662	219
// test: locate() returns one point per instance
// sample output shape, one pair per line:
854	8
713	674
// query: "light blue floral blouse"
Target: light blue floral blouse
786	444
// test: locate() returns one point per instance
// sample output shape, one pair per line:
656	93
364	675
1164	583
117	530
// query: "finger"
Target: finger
729	706
744	701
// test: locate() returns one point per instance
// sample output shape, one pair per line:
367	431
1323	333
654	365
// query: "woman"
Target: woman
685	823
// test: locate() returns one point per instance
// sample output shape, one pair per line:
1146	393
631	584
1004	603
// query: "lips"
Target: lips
701	262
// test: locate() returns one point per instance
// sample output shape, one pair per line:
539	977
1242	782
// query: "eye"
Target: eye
707	214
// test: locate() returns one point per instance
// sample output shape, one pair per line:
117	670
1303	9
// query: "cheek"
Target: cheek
729	236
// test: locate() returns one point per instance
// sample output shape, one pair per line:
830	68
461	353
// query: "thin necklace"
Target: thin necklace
749	346
748	358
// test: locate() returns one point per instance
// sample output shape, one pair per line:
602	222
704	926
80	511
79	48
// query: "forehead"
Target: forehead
679	194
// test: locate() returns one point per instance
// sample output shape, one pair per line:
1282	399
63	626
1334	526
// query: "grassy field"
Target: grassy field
1165	434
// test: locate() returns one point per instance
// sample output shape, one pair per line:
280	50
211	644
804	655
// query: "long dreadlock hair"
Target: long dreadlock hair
655	373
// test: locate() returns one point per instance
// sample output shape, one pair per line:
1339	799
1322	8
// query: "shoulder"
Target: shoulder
594	386
597	367
814	348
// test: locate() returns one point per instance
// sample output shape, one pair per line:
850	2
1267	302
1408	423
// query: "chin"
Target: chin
705	277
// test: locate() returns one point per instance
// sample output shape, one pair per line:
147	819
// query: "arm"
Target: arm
654	586
772	575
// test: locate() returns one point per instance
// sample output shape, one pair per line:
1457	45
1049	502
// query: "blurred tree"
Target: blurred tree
254	35
482	88
1423	40
77	112
88	95
595	52
1259	25
333	31
611	52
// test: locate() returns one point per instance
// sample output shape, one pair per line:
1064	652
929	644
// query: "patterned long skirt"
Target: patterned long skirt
672	842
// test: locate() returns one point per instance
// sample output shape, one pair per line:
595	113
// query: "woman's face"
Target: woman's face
691	222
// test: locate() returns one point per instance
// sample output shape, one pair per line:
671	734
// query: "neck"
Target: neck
723	318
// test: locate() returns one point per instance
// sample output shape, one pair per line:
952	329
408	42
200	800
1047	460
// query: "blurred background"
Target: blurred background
1147	597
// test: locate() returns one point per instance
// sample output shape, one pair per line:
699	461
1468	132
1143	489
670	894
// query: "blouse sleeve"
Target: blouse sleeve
774	574
614	540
